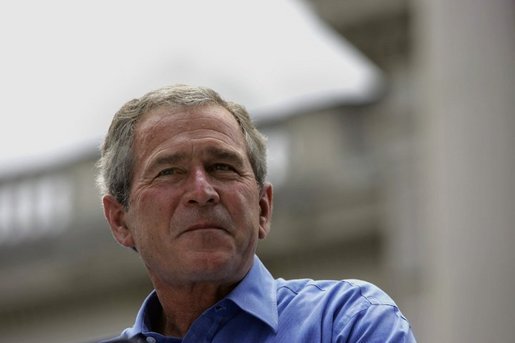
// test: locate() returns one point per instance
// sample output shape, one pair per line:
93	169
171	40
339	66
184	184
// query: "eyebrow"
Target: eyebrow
212	153
169	159
225	155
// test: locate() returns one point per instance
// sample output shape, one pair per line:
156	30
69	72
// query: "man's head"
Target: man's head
184	185
116	161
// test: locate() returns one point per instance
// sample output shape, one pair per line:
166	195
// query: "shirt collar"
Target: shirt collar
255	294
149	306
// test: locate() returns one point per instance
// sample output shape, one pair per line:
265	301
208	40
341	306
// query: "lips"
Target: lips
197	221
204	226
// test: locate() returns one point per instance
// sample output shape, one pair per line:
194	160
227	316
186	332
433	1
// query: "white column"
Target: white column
466	52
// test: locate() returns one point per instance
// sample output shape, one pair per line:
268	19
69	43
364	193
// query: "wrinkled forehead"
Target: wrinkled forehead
166	123
183	117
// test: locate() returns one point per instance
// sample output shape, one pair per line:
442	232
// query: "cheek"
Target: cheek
151	212
245	207
154	201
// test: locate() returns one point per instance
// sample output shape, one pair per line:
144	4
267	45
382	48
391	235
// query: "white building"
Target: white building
413	191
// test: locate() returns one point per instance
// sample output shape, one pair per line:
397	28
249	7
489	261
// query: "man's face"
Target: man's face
195	212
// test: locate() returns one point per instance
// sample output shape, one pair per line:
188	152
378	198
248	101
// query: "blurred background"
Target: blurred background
391	131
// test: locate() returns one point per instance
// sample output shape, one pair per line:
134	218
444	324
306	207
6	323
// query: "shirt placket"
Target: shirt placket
206	326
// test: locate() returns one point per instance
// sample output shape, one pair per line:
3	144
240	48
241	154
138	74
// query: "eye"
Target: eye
222	167
166	172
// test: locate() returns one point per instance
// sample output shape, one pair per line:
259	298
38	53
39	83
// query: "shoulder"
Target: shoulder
343	291
351	308
123	339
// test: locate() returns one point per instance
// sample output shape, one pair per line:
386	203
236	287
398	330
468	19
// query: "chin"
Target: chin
216	265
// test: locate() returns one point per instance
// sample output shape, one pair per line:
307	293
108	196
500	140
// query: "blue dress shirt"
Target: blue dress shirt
262	309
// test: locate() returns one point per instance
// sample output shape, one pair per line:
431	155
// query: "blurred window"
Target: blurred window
278	155
35	207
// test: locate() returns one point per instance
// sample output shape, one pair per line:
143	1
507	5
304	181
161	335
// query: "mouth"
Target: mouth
204	226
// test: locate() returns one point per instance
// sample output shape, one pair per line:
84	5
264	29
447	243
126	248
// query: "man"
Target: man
183	177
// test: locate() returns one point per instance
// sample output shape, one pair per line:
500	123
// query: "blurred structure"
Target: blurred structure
465	54
414	192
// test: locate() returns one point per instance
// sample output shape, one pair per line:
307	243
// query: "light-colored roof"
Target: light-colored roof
68	66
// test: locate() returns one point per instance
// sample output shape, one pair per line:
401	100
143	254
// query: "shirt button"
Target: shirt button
151	340
219	308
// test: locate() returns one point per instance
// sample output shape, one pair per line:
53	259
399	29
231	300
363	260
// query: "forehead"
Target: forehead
172	125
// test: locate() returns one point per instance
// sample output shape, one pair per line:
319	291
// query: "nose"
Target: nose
200	191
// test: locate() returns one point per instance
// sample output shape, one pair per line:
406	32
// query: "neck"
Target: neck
182	305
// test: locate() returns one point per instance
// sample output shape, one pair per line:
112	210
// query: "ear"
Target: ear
116	214
265	205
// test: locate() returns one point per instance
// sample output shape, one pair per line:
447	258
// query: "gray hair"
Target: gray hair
116	162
